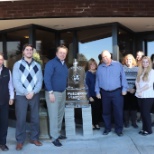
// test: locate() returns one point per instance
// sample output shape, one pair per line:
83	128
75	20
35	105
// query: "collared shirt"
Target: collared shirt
10	85
110	77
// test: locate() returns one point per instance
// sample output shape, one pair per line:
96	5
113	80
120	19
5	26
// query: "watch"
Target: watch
51	92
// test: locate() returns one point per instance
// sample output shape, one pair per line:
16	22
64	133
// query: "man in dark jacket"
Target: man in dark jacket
6	99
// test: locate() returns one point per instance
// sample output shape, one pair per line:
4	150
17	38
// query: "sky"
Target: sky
150	48
94	48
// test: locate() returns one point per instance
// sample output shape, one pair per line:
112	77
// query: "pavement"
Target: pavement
130	143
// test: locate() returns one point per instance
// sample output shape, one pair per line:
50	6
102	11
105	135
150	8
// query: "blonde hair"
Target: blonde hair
90	62
132	57
141	69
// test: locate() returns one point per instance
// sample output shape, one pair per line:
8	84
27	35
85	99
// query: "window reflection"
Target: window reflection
15	41
45	44
93	41
150	47
125	41
66	38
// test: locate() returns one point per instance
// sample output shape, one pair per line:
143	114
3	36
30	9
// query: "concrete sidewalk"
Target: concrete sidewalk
130	143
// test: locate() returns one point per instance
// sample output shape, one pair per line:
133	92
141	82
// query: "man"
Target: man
27	79
6	99
111	80
55	79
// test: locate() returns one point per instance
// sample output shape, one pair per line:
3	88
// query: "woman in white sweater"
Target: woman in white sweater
145	93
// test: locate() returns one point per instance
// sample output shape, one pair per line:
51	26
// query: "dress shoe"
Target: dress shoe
57	143
106	132
141	132
119	133
36	142
4	148
97	127
145	133
94	127
19	146
62	137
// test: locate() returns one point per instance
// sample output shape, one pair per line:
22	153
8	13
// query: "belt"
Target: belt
111	90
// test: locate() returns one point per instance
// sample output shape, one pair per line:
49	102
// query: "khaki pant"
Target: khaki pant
56	113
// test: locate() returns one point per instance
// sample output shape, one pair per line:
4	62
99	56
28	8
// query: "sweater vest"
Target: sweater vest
4	90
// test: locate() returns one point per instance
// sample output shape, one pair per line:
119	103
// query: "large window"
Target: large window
93	41
150	48
125	42
15	42
66	38
45	44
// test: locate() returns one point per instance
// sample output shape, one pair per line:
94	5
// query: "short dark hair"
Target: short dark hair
27	45
62	46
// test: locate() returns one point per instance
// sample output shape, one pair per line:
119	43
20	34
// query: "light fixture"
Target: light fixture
26	37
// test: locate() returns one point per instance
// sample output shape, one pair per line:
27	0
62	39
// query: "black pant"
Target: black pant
3	123
96	110
145	105
130	108
130	102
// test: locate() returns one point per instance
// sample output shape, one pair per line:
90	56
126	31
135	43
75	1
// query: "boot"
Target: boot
126	119
133	118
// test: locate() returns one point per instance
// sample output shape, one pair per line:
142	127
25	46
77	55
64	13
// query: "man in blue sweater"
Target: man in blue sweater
27	80
55	79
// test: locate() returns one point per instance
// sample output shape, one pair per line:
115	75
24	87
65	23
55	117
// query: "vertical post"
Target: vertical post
32	37
75	45
115	42
5	50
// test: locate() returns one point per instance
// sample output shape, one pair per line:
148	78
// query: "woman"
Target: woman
145	93
130	102
139	56
93	100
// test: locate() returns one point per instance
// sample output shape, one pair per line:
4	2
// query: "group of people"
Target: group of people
24	86
123	90
114	87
